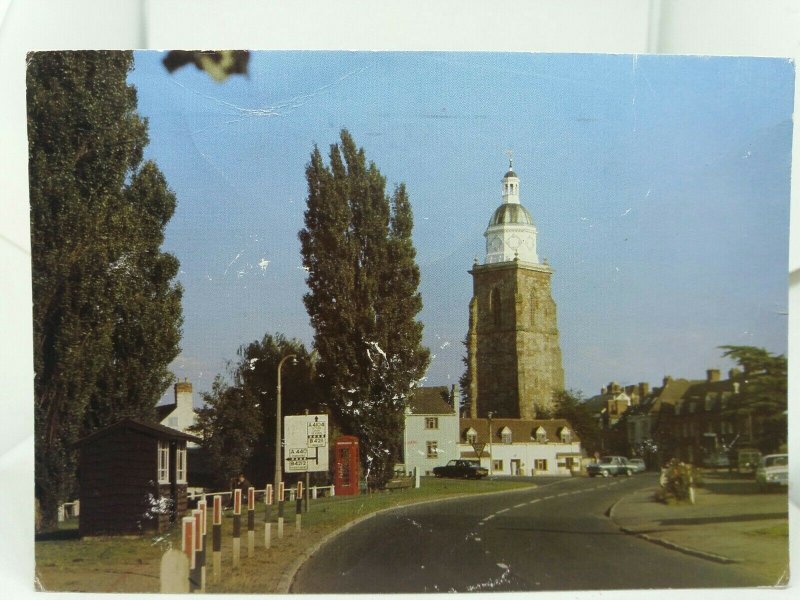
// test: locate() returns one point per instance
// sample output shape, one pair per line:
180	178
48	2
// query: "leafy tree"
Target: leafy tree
570	405
256	375
363	299
229	424
763	393
106	315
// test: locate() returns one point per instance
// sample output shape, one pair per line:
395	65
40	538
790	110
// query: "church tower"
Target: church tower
512	346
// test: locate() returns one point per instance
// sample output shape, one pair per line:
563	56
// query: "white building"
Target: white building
430	438
521	446
179	415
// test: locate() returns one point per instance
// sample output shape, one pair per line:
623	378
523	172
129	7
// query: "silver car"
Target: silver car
773	471
638	464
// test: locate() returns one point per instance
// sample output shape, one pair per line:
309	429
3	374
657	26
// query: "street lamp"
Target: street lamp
491	456
278	444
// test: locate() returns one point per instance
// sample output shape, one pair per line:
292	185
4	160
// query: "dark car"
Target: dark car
610	465
464	469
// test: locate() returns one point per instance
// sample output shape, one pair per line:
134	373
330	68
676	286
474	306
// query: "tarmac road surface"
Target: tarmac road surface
554	537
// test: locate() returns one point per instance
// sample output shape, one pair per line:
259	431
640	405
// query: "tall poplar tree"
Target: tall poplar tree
363	299
106	310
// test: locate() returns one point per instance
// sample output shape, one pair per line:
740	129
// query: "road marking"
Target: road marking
547	497
502	565
477	539
563	494
488	518
502	511
480	524
520	505
535	501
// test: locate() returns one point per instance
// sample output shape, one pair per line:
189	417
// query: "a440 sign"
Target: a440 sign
306	438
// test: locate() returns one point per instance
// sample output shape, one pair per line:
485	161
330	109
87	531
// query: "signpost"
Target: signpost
306	438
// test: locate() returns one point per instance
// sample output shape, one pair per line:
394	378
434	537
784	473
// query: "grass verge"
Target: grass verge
65	562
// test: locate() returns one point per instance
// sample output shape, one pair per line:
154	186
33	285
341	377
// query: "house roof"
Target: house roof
522	430
430	401
165	410
152	429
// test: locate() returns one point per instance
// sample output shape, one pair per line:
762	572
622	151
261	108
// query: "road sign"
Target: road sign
478	447
306	443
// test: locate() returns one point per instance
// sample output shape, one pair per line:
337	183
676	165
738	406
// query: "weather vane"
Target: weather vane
510	154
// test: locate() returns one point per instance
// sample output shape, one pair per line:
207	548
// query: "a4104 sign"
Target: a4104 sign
306	443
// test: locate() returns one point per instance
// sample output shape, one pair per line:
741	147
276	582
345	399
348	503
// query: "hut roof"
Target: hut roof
151	429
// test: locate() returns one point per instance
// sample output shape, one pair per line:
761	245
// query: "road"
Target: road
554	537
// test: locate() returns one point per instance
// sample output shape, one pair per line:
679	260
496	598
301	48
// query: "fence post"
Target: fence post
189	525
299	508
216	538
237	526
251	522
202	507
198	576
280	510
268	516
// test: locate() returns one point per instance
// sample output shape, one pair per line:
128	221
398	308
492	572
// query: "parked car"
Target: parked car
747	459
716	460
464	469
638	464
773	471
610	465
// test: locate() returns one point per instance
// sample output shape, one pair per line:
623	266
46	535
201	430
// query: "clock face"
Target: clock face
514	241
495	244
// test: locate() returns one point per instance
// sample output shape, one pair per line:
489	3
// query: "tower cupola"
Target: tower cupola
511	234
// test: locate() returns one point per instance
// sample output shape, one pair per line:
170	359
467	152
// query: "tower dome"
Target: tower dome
511	234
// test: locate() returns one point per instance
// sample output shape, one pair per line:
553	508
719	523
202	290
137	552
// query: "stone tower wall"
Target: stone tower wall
513	349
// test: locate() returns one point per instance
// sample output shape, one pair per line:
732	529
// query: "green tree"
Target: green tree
100	283
570	405
229	425
763	394
256	375
363	299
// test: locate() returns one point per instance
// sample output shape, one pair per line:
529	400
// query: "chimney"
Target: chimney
734	373
455	396
183	393
644	389
615	388
603	391
712	375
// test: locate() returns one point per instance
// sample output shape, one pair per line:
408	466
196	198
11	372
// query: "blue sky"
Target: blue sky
659	186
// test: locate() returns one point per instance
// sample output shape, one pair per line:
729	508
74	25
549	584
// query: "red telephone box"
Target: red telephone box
346	466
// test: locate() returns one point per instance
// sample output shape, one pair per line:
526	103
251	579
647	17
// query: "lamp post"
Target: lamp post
491	456
278	444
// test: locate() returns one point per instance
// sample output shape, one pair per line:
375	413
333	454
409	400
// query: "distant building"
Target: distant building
132	478
513	350
521	446
431	428
179	415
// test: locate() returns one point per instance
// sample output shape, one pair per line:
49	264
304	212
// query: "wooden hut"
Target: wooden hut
132	478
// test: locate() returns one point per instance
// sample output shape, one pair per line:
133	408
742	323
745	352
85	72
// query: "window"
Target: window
472	436
180	466
541	435
505	435
495	307
540	464
163	462
709	402
173	421
431	422
566	435
433	451
497	465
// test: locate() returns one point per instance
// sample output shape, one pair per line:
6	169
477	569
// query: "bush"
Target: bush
676	480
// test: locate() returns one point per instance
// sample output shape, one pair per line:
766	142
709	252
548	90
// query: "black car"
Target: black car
464	469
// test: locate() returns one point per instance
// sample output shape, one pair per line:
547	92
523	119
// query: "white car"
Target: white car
638	463
773	471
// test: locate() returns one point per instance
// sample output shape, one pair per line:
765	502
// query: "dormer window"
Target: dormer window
566	436
472	436
505	435
541	435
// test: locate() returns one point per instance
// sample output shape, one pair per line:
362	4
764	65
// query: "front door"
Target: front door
516	467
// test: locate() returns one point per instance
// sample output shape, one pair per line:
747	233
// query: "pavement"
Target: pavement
730	522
